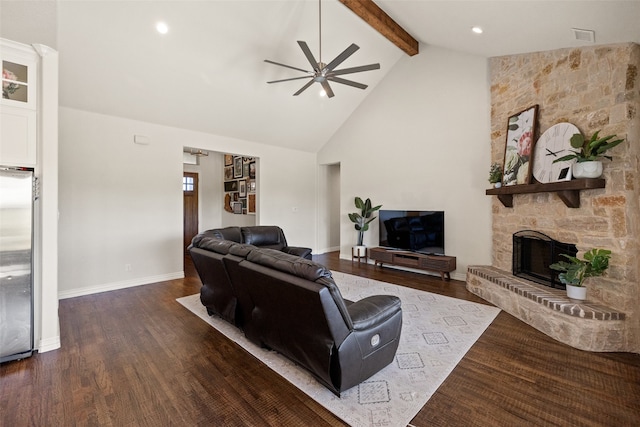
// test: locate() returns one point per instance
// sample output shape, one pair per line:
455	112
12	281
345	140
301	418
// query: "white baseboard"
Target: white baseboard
327	250
49	344
78	292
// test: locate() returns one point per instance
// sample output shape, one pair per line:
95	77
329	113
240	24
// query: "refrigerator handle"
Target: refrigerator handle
36	188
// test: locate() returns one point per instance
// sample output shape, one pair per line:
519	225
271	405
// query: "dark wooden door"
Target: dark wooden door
190	198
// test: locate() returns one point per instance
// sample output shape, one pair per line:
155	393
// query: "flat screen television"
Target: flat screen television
417	231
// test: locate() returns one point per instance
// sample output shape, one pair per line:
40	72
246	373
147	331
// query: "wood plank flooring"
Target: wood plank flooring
135	357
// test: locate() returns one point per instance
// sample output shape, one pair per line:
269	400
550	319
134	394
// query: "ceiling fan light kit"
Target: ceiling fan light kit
324	73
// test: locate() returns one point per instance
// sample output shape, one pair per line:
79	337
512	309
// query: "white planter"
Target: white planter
587	169
577	292
497	185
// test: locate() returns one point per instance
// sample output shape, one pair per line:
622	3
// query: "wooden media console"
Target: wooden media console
442	264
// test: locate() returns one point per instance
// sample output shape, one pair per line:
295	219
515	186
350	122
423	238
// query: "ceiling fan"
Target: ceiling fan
324	73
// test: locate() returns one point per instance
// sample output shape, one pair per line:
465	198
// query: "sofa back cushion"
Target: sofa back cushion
288	263
292	315
304	269
228	233
215	244
241	250
264	236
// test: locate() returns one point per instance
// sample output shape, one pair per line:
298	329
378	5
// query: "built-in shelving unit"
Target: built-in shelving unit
568	191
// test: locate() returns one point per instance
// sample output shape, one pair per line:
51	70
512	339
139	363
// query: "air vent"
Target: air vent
584	35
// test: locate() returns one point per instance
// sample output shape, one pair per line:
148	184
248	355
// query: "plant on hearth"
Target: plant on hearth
590	149
575	271
363	218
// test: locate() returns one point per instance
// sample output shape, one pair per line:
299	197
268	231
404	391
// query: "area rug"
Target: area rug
437	331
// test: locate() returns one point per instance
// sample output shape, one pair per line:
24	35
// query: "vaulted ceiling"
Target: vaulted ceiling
208	72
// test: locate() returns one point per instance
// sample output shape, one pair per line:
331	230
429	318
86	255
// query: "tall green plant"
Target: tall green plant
363	218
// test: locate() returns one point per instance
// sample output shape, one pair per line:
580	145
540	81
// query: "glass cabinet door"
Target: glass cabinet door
18	81
15	81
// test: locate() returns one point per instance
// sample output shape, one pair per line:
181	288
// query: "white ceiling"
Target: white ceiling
207	74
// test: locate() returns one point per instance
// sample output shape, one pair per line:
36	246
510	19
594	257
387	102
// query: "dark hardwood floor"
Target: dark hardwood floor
135	357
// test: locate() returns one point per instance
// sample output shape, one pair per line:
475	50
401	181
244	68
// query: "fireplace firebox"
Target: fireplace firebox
534	252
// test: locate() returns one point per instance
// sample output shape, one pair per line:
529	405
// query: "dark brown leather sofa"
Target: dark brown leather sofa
292	305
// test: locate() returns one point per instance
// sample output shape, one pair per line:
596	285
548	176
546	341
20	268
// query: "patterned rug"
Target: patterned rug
437	331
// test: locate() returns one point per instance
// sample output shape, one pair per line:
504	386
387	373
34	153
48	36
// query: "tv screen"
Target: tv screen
418	231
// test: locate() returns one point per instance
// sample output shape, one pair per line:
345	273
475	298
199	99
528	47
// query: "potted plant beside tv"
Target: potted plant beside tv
575	271
362	220
588	154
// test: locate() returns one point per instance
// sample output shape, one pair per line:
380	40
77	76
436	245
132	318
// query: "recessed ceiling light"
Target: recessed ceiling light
162	28
476	30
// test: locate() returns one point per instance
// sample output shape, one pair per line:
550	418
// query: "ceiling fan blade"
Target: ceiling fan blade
327	88
286	80
287	66
308	54
347	82
355	69
305	87
342	57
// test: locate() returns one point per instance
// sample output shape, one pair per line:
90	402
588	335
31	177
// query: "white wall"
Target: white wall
121	203
421	141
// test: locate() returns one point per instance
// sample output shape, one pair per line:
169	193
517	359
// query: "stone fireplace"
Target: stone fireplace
594	88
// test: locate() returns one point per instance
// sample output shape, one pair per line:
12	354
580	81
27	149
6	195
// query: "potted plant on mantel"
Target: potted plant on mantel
588	154
495	175
575	271
361	220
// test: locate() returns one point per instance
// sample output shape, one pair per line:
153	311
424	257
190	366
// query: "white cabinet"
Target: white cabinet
18	132
18	106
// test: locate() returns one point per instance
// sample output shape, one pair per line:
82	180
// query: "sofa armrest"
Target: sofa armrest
373	311
298	251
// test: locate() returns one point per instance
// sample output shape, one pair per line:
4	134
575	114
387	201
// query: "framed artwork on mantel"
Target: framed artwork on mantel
521	129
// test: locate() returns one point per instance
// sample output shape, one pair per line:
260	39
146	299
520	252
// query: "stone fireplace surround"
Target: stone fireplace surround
594	88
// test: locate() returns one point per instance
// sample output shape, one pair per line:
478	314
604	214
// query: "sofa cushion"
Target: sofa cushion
305	269
288	263
228	233
241	249
269	236
216	245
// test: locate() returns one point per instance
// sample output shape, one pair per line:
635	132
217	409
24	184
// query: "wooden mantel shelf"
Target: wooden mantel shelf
568	191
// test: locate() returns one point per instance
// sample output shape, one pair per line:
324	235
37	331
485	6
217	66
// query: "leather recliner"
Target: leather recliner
292	305
209	247
297	310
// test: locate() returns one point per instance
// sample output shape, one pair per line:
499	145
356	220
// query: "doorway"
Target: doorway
329	199
190	206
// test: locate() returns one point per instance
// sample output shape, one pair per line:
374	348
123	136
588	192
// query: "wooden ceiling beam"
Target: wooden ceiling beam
383	23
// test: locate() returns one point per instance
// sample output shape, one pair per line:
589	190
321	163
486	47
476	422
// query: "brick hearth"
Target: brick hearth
584	325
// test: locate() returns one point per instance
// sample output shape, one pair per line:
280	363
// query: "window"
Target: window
187	183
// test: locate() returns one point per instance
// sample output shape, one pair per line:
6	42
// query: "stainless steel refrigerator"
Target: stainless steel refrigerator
16	259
